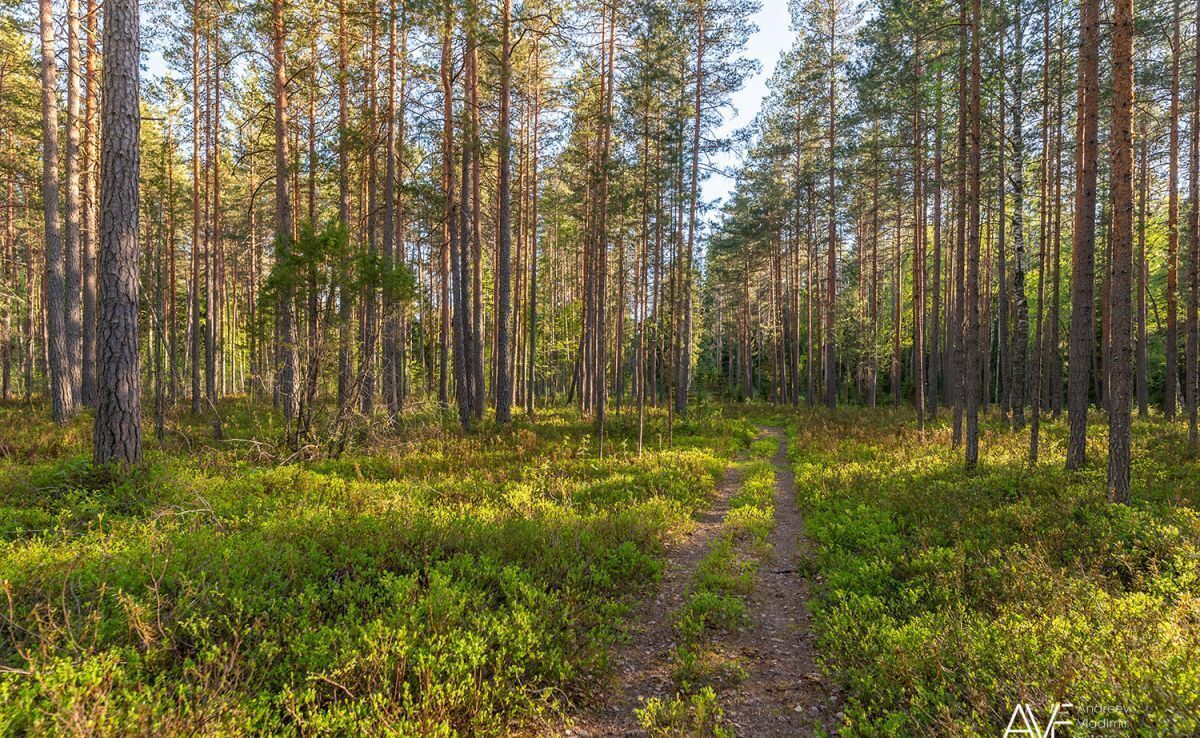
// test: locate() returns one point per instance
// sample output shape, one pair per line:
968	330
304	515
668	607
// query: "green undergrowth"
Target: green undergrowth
425	583
716	603
951	596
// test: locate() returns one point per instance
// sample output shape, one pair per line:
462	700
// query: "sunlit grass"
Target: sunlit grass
424	582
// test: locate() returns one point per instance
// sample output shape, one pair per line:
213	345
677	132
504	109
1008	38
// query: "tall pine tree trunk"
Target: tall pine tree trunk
504	224
1120	376
62	389
118	432
1083	250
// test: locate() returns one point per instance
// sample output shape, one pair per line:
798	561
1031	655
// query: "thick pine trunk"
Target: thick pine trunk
118	432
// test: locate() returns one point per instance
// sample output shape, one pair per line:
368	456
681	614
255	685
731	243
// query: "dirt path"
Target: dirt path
643	665
784	693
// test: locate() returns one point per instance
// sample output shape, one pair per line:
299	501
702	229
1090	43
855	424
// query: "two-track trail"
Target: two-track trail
642	667
783	692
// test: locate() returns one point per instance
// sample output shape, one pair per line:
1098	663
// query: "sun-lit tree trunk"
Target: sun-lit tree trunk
73	246
1143	275
1193	310
62	391
1171	376
194	281
346	293
1019	349
286	351
91	153
934	329
117	430
831	256
918	241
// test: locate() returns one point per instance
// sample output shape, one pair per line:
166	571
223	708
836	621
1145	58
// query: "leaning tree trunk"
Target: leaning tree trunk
118	431
62	393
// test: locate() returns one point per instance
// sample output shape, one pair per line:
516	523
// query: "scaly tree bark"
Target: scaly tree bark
118	431
1120	378
62	389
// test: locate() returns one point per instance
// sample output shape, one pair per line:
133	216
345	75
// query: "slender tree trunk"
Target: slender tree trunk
935	307
1019	350
118	431
972	285
504	236
91	151
1171	377
1193	316
1143	393
73	247
958	363
831	268
1083	252
346	299
287	358
62	389
1120	377
918	243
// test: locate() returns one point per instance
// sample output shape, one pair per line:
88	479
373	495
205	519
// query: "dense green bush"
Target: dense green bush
427	584
949	597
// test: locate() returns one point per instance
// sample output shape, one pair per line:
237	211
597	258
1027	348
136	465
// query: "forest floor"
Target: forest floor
502	582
